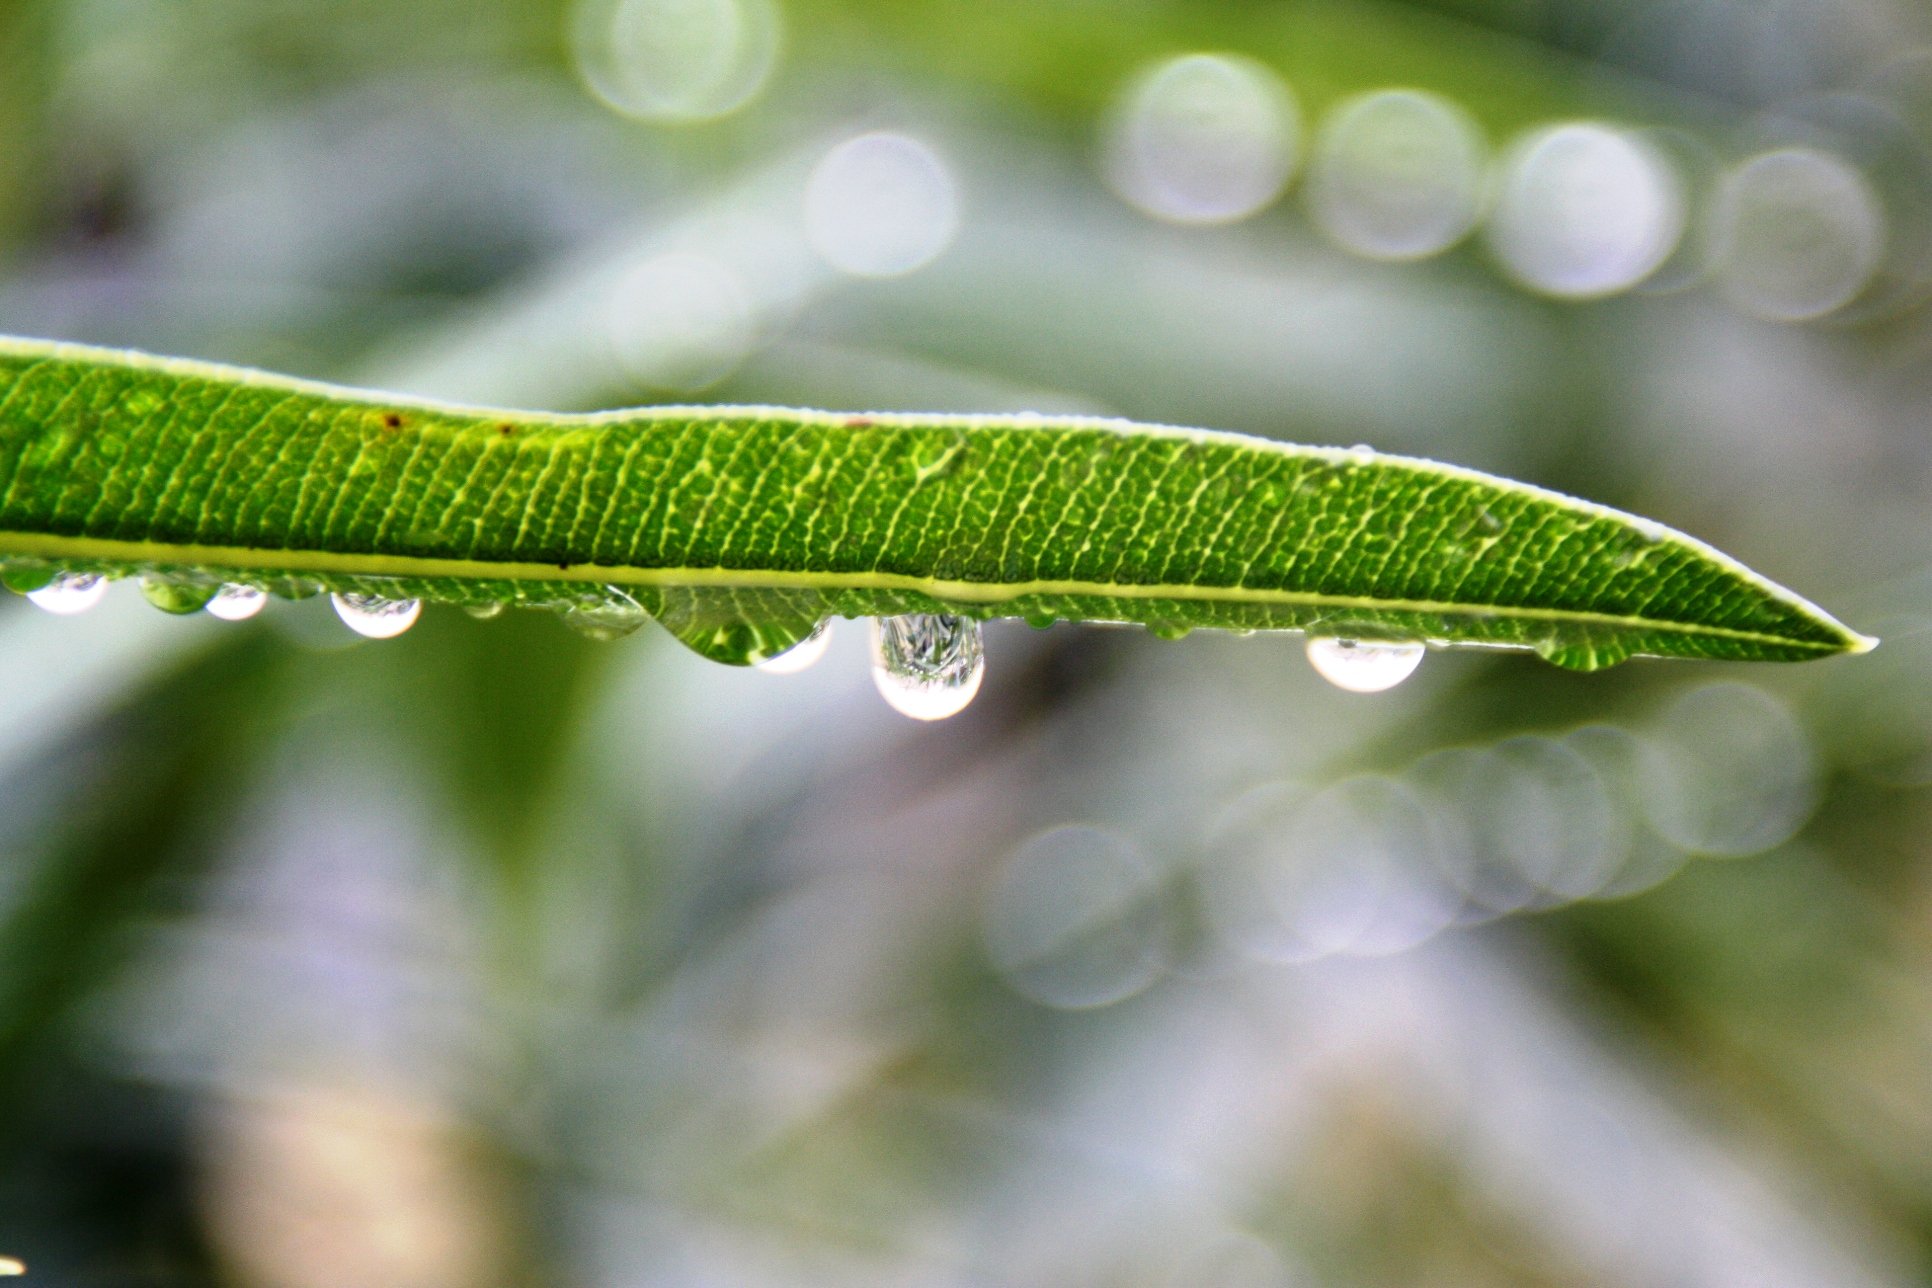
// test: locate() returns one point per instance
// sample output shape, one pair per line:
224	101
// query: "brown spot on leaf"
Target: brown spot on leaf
390	420
506	430
859	422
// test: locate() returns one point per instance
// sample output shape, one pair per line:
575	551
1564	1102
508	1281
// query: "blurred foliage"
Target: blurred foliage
493	955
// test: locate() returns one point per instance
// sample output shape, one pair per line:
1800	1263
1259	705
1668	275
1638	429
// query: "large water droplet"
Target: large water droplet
180	597
70	592
927	665
376	617
235	603
801	655
1363	666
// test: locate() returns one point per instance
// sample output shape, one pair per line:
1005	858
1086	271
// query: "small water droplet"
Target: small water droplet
180	597
609	614
1169	630
1363	666
484	612
1487	523
801	655
25	577
70	592
1361	454
376	617
927	665
1581	650
236	603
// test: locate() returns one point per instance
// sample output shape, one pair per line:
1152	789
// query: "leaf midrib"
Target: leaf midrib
255	559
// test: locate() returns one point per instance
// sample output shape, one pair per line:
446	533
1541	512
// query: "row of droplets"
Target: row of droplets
926	665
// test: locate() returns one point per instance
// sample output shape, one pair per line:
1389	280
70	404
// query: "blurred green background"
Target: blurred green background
493	955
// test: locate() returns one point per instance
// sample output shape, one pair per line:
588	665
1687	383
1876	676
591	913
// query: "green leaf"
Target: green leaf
740	528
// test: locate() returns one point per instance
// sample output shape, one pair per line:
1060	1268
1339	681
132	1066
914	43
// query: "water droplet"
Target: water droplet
1041	618
1363	666
602	627
70	592
927	665
1581	650
376	617
180	597
1169	630
1361	454
23	578
801	655
484	612
609	614
235	603
1487	523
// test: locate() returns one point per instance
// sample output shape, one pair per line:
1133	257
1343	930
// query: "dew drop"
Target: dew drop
237	603
179	597
376	617
1363	666
23	578
484	612
802	655
610	614
70	592
1361	454
927	665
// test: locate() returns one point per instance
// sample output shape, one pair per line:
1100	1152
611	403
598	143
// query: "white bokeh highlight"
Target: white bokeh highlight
1396	174
1354	869
1078	918
882	204
1203	139
1585	209
1796	234
1728	771
675	60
